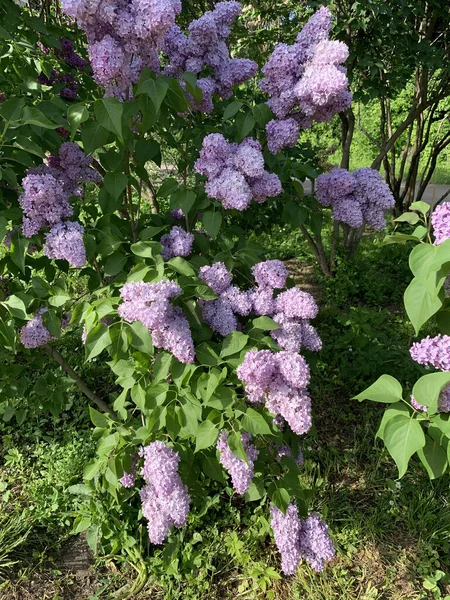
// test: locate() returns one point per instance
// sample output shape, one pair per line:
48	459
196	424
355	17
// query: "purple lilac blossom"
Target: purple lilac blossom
235	172
440	220
177	214
284	450
216	276
128	478
286	530
34	333
205	48
241	472
356	198
315	542
165	500
177	242
416	405
65	241
150	304
270	274
306	81
219	315
432	352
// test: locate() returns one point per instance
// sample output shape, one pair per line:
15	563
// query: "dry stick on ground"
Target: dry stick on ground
102	405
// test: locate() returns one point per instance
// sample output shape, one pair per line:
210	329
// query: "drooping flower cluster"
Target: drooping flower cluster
45	202
297	538
440	220
150	304
241	472
165	500
220	314
306	81
235	172
279	379
177	242
35	333
433	352
123	37
206	47
357	198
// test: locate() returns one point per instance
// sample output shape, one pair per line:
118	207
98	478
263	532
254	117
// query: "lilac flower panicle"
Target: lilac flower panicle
34	333
165	500
177	214
65	241
235	172
432	352
128	479
295	303
177	242
286	530
219	315
216	276
416	405
281	134
440	220
315	542
270	274
241	472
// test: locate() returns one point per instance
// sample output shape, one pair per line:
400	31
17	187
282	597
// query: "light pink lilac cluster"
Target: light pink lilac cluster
150	304
356	198
220	314
206	49
165	500
297	538
45	202
306	81
235	172
123	37
433	352
241	472
34	333
440	220
280	380
177	242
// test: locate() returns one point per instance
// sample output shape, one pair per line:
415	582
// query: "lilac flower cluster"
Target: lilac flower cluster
45	202
433	352
69	91
34	333
68	54
357	198
206	47
440	220
241	472
177	242
177	214
150	304
235	172
128	479
123	37
306	81
279	379
284	450
297	538
165	500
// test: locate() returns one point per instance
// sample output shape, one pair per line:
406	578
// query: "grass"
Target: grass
391	537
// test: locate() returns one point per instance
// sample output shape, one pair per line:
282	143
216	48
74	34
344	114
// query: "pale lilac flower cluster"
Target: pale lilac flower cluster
241	472
416	405
433	352
65	241
177	242
206	48
165	500
357	198
279	379
128	478
297	538
235	172
306	81
123	37
440	220
150	304
34	333
220	314
45	202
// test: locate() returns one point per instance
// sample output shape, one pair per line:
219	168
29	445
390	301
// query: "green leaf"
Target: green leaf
265	324
81	524
180	265
94	136
279	495
52	322
421	301
141	338
244	125
231	110
182	198
207	434
262	114
294	214
161	366
115	183
206	355
114	264
146	249
236	446
434	458
97	339
408	217
146	150
28	145
420	206
168	187
33	116
91	469
253	422
403	436
156	89
385	389
212	222
109	114
233	343
11	110
426	390
77	114
18	250
212	468
97	418
16	307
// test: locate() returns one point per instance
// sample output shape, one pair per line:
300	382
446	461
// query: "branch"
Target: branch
102	405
